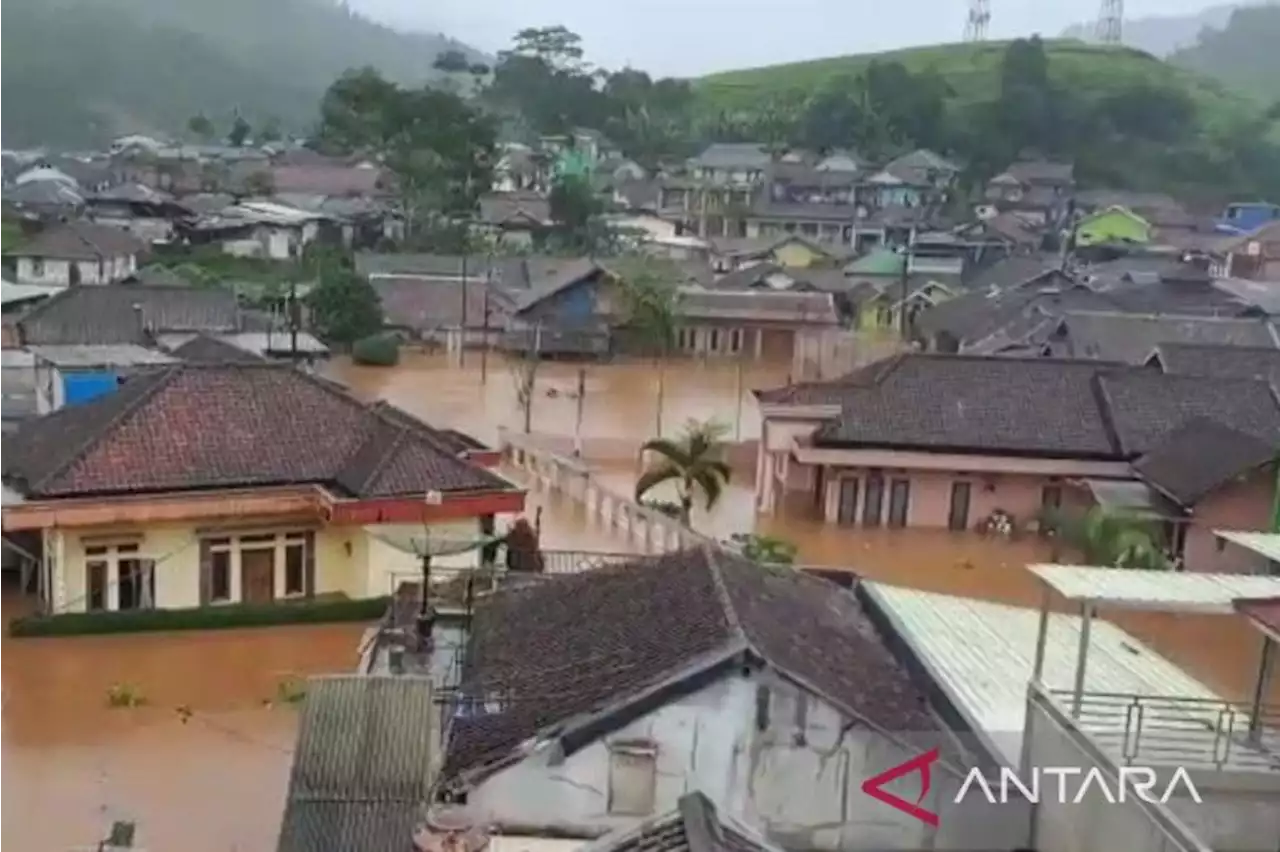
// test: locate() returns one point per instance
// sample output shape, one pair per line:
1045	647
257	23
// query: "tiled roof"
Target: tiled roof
512	208
1131	338
361	776
1026	406
127	314
1041	171
973	317
1145	406
1227	362
557	655
733	155
206	349
695	825
81	241
423	304
1032	406
1199	456
228	425
324	179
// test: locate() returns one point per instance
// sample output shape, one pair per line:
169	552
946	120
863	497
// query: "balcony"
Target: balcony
1195	733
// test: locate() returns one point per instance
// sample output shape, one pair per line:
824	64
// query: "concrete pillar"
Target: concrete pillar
758	344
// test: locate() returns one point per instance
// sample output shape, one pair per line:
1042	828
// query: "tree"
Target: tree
694	462
270	131
575	210
201	127
239	133
651	304
1110	538
260	183
344	307
439	148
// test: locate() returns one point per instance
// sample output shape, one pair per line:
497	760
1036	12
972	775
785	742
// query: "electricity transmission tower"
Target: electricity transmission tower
1111	21
975	29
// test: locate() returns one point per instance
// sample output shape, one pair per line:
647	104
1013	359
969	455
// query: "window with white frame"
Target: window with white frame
290	555
118	577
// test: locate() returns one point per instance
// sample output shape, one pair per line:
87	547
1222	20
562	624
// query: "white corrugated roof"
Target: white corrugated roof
105	355
1266	545
1162	591
981	654
11	292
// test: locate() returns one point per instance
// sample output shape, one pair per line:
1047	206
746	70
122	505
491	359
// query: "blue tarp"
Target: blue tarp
79	388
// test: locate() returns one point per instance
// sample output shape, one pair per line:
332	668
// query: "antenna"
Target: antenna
1111	22
975	28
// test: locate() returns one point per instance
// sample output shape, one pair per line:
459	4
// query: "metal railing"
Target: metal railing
1191	732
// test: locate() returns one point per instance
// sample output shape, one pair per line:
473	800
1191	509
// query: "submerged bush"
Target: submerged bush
377	350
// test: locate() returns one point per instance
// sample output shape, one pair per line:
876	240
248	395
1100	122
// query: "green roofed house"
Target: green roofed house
1114	225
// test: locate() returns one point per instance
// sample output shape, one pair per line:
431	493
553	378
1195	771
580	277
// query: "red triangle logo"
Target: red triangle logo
874	787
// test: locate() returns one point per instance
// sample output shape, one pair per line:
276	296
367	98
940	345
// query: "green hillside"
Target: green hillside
1243	53
77	72
973	73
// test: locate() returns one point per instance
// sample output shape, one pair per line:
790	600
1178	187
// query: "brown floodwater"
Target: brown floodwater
73	763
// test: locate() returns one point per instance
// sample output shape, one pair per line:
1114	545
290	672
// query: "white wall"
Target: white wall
52	271
805	793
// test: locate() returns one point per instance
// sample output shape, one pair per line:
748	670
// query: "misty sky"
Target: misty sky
689	37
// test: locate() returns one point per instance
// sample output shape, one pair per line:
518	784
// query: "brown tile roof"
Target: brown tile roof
211	350
1199	457
1026	406
326	179
226	425
81	241
560	658
127	313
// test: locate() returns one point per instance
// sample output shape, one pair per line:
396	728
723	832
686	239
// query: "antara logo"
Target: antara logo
1133	781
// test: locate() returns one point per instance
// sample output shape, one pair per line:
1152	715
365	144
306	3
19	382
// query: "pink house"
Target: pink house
951	441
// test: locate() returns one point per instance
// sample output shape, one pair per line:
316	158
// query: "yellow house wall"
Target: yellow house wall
349	560
795	254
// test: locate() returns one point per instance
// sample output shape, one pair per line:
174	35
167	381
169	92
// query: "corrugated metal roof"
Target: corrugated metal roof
1161	591
363	764
982	654
1266	545
11	293
106	355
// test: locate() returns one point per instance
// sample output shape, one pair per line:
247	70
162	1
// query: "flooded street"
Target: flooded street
217	781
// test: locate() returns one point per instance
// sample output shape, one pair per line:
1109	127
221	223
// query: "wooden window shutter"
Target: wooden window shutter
309	564
206	572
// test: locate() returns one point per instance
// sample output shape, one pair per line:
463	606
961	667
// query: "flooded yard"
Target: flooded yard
211	783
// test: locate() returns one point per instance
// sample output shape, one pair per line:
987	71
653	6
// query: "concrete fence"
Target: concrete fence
651	530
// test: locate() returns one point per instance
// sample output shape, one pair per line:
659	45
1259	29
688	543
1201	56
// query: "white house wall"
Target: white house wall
58	272
799	780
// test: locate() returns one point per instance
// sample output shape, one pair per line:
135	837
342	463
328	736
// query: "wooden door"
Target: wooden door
257	576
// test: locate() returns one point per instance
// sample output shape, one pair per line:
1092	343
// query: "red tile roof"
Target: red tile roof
233	425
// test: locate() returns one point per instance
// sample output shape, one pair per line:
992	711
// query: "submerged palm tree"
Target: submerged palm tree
694	462
1112	538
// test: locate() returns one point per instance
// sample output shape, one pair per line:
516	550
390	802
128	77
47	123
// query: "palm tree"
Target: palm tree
694	462
1112	538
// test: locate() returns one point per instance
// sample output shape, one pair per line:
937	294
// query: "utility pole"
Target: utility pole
906	276
737	418
577	426
293	322
484	349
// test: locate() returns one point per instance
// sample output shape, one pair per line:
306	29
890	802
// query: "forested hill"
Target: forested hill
1243	54
77	72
